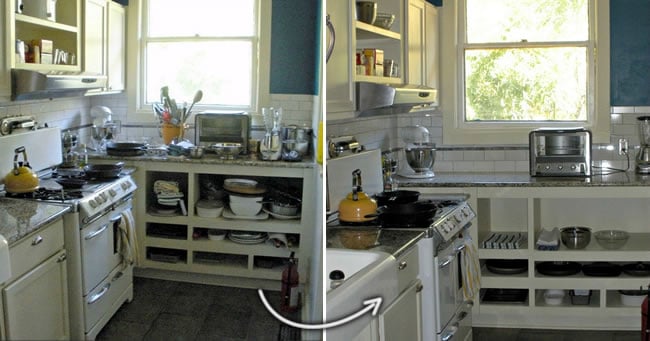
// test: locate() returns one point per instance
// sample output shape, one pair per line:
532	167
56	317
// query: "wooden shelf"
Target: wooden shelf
378	79
21	18
367	31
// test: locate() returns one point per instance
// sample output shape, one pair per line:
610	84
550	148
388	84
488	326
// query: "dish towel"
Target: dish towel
471	268
549	240
128	244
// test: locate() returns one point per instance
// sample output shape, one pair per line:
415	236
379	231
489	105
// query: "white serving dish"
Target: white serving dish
215	234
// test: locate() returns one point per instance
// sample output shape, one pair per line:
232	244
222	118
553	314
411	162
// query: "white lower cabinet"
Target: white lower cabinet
35	298
36	304
401	319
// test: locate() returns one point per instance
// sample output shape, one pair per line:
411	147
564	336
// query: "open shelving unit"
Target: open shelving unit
173	242
529	210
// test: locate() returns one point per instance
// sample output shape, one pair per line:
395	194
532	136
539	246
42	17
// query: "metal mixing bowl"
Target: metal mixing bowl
421	156
575	237
367	11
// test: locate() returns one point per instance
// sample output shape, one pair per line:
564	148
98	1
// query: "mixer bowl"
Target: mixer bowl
420	157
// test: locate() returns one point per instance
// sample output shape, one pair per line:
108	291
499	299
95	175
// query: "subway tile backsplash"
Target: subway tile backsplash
383	132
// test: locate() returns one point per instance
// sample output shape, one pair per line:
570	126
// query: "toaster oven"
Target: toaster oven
218	127
560	152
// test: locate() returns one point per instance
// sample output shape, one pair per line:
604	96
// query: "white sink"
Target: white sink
368	275
349	261
5	264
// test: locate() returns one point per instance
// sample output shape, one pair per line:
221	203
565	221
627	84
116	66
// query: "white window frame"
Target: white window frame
139	112
458	132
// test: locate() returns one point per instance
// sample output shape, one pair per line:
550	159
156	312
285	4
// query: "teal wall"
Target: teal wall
295	47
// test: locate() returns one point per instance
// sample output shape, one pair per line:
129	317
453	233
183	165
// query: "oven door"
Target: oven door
99	249
446	265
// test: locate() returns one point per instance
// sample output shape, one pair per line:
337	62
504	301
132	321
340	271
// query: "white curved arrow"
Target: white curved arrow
372	304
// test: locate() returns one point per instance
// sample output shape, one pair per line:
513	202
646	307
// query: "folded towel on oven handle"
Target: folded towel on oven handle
127	242
471	269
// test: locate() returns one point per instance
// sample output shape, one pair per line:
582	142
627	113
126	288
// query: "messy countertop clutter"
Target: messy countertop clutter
219	138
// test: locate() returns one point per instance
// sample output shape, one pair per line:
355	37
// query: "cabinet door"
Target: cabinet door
431	49
5	53
415	42
94	36
116	46
401	319
340	81
36	304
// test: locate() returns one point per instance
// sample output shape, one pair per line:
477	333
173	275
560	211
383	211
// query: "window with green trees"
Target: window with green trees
527	60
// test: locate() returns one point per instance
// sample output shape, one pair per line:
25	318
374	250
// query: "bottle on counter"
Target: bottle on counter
82	154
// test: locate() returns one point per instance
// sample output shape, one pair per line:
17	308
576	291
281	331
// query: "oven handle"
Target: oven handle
450	334
447	261
460	248
96	233
115	219
94	298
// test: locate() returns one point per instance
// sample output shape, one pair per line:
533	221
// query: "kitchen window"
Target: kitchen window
213	45
510	66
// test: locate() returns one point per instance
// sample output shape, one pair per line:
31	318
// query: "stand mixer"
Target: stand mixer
643	157
420	153
104	128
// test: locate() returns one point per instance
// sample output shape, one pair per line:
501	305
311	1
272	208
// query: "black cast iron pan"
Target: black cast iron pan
396	197
558	268
601	269
103	171
637	269
417	213
71	183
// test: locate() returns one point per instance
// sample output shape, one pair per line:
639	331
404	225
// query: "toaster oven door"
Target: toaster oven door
211	128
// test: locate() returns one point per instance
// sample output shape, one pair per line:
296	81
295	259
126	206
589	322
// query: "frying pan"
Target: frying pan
71	182
396	197
106	171
125	148
418	212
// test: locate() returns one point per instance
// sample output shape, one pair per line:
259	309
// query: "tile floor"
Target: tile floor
507	334
168	310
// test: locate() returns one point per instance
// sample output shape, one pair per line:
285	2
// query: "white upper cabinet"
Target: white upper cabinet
94	32
116	54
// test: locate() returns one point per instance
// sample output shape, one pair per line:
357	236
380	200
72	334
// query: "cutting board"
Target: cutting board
43	147
339	175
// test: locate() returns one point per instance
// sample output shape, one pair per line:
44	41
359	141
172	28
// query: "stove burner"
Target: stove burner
47	194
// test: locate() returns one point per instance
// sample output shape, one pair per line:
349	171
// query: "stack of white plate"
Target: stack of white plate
248	237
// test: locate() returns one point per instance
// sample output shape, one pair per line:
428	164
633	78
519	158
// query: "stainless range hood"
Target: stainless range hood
29	84
376	99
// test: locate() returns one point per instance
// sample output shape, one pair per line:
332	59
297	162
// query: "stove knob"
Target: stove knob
112	192
458	217
99	200
92	203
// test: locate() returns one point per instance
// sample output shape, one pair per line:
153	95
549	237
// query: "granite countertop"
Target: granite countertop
520	179
393	241
19	217
308	162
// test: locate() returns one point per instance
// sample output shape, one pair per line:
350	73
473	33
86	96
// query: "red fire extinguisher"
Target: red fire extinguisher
289	293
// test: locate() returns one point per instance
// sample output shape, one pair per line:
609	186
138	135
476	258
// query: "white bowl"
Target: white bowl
209	208
247	206
634	299
553	296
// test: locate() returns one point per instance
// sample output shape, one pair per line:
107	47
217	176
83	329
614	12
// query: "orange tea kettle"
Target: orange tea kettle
21	179
357	205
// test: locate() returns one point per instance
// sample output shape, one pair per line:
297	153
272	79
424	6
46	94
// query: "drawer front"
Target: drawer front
99	301
407	269
36	248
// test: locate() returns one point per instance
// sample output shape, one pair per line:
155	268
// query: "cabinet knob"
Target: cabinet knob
37	240
402	265
62	258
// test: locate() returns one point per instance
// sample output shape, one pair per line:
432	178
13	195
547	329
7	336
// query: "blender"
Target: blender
420	153
643	157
